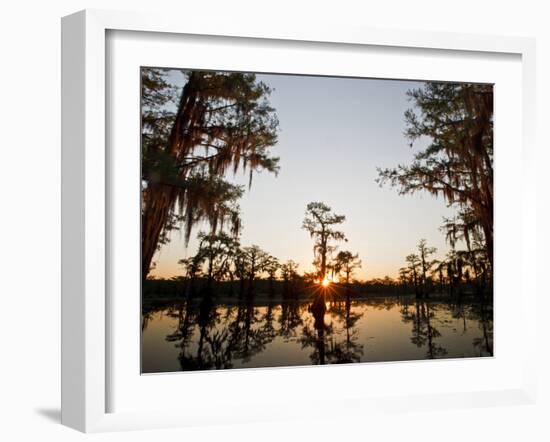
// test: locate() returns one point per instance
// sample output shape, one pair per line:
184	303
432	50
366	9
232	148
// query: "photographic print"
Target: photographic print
292	220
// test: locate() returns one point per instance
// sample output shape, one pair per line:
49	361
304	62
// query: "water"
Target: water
203	336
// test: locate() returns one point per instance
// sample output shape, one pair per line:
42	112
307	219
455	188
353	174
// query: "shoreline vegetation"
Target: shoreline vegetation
166	291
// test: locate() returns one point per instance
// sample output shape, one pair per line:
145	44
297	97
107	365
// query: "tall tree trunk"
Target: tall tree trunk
158	203
323	258
159	197
415	281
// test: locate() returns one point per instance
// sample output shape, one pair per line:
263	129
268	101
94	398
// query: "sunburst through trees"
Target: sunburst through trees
246	297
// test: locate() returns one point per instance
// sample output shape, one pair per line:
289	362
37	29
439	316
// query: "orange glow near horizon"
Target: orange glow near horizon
326	282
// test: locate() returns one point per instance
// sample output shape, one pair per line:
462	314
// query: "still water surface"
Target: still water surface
205	336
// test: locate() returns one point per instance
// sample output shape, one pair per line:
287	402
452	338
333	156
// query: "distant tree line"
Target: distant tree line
221	259
222	263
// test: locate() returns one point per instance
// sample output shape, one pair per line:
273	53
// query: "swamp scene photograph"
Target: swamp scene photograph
292	220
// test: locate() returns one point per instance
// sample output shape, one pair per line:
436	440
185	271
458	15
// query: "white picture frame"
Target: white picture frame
86	315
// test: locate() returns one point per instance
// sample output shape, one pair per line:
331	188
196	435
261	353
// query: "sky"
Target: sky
334	133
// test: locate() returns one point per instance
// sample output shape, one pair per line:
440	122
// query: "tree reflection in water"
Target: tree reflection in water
326	339
329	329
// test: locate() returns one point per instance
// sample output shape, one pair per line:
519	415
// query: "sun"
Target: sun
325	282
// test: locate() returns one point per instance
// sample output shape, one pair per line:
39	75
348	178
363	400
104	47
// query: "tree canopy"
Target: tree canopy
457	121
221	122
346	262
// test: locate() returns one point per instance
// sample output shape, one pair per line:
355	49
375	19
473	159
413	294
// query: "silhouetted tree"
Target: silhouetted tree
239	269
192	270
222	121
458	163
455	268
405	278
414	267
438	273
289	274
289	270
426	263
271	267
255	262
216	251
347	262
319	221
464	227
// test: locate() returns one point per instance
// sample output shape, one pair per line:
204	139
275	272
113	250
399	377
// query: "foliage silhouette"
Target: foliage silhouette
320	221
222	121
